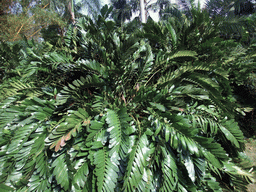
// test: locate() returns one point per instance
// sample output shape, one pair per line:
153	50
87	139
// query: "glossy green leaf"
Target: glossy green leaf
60	171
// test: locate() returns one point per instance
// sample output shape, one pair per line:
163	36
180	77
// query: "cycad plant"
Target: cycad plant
135	120
237	19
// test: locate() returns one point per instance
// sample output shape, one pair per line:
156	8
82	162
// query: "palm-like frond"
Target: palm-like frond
169	169
18	87
60	172
235	18
106	170
136	176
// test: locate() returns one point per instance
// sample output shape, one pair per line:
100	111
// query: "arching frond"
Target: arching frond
136	174
169	169
62	132
60	171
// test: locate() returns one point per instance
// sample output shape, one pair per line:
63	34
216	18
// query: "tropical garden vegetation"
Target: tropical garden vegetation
106	104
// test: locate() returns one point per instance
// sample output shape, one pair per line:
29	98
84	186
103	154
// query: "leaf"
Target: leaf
229	136
232	132
190	168
60	171
39	184
81	176
63	131
20	137
106	170
212	183
114	131
119	130
158	106
200	167
137	165
147	66
96	133
5	188
169	170
173	34
180	54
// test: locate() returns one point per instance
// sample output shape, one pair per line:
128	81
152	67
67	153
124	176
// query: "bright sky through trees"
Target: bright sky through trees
154	15
202	2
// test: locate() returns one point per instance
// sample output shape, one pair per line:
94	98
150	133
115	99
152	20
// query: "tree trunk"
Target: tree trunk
71	11
143	11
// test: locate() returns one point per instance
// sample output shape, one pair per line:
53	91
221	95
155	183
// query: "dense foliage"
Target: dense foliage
115	109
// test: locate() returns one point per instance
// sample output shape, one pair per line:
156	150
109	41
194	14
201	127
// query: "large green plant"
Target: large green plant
136	120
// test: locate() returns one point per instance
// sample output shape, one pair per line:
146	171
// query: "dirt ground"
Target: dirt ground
251	153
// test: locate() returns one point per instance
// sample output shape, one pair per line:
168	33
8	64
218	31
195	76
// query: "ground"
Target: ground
251	153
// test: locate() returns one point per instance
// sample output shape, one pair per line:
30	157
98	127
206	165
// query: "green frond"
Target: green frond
69	36
163	81
21	88
200	166
147	66
9	116
95	67
23	155
60	171
210	122
97	134
174	38
158	106
184	137
6	188
114	131
79	89
81	176
211	183
106	170
194	76
169	170
119	130
183	54
190	167
232	132
38	184
214	92
41	165
212	151
136	167
20	138
237	176
59	136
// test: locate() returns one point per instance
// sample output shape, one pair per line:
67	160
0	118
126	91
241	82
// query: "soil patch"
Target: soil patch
251	153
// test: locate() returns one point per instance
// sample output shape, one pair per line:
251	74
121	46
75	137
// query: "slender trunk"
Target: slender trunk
143	11
71	11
